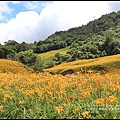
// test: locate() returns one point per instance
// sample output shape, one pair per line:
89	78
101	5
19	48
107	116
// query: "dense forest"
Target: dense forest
96	39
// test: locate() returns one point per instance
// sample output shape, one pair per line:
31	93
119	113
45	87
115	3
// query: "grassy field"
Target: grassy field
28	95
50	55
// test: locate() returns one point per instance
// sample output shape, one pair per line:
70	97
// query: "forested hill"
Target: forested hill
98	38
95	39
96	27
92	29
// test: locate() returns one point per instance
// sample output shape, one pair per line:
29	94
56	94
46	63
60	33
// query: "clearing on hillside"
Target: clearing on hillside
50	55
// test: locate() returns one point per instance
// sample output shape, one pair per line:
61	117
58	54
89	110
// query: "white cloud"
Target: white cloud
21	28
4	8
60	15
35	5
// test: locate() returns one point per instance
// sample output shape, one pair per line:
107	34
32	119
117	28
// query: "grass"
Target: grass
50	55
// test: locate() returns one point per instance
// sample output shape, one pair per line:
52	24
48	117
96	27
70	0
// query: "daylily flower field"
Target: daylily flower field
44	95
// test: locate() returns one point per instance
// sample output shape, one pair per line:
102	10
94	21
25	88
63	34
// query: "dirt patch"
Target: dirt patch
69	71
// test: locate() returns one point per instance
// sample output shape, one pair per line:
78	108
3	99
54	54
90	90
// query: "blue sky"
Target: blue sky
22	6
31	21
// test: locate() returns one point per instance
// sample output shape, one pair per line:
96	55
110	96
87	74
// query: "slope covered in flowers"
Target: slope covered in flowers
10	66
111	63
55	96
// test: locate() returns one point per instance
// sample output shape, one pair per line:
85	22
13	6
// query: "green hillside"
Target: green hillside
96	39
51	54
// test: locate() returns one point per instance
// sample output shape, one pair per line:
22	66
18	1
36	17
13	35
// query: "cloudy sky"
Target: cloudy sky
31	21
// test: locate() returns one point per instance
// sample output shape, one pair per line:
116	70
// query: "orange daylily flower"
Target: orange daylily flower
112	99
85	114
21	101
99	101
59	109
1	107
6	96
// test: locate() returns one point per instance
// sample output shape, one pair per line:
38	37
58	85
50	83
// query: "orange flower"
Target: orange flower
85	114
21	101
99	101
112	99
118	87
1	107
6	96
50	93
62	91
59	109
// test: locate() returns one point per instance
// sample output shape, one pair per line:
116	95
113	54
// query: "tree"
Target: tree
11	42
114	47
49	64
39	65
30	59
6	53
109	36
22	47
59	58
27	57
74	53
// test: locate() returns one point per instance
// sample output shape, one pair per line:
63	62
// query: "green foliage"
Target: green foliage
49	64
6	53
22	47
11	42
38	66
111	44
27	57
58	58
30	59
41	48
